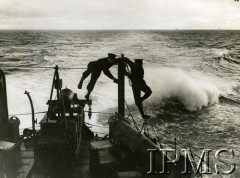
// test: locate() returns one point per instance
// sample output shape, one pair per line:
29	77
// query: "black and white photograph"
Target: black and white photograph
119	89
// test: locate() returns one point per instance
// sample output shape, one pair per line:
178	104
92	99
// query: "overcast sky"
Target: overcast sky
119	14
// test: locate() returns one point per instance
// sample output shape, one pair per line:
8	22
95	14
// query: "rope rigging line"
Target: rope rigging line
23	114
156	136
99	112
43	112
134	122
45	67
101	104
155	133
74	68
21	129
68	77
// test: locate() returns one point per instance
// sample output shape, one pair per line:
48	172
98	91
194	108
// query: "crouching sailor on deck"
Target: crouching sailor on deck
95	68
138	84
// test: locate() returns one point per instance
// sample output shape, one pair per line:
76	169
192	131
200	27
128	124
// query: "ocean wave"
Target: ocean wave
14	67
193	93
7	59
44	52
229	58
219	51
237	88
3	40
9	71
172	108
224	54
229	100
225	63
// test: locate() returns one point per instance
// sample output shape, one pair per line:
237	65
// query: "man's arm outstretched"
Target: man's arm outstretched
109	75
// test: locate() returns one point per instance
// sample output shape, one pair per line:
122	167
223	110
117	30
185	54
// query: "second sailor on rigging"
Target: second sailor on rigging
138	84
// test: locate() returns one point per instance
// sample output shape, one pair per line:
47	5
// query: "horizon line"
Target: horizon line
98	29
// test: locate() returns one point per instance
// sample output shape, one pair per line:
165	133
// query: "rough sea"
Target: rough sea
194	76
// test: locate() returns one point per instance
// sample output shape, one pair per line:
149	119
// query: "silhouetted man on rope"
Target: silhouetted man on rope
95	68
138	84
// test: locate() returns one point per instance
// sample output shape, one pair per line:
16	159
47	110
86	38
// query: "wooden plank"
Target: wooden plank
129	174
105	157
83	160
29	147
82	170
84	153
25	154
21	175
51	140
44	121
6	145
24	161
23	171
101	144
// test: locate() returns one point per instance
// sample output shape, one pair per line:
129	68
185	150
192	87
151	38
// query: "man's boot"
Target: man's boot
80	84
146	116
88	95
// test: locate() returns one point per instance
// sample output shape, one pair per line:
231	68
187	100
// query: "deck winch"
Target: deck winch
62	128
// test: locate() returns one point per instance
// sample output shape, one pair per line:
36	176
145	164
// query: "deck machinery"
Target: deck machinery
62	129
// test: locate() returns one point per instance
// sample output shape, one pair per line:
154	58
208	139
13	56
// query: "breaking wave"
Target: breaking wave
229	59
175	83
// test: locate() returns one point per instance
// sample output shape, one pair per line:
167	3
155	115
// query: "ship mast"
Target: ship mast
121	87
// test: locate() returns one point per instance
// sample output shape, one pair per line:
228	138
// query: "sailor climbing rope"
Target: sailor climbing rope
136	75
